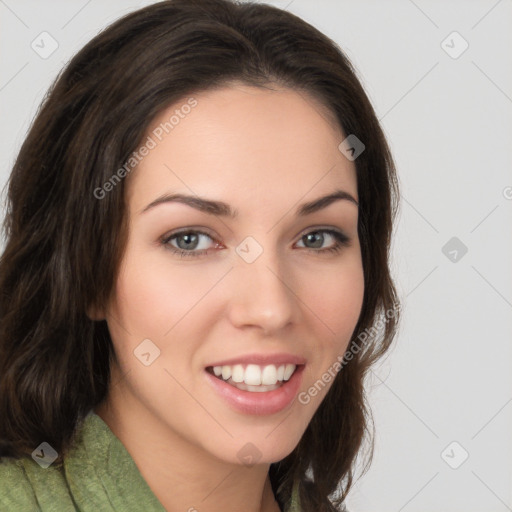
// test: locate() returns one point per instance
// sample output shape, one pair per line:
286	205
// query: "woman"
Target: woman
197	233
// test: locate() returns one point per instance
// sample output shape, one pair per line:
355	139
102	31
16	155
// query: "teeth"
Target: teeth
268	375
226	372
237	373
255	375
290	368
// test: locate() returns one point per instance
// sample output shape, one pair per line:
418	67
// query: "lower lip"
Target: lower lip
267	402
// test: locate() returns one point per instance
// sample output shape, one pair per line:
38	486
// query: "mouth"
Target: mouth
260	390
254	378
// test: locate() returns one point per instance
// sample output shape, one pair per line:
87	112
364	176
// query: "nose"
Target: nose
262	294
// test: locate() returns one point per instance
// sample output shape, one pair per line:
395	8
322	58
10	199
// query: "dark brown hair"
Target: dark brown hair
64	245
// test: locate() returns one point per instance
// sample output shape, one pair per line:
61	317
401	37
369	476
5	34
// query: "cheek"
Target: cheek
154	293
156	299
335	299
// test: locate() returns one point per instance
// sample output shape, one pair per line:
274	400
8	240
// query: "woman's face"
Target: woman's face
265	288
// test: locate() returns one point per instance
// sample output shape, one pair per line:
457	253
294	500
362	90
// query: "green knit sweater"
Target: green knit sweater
98	475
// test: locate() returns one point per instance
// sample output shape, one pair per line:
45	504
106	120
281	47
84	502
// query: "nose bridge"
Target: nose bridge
264	296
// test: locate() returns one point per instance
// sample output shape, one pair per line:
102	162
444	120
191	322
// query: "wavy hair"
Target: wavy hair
64	245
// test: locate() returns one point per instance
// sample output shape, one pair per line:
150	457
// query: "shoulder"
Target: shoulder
16	491
25	485
30	485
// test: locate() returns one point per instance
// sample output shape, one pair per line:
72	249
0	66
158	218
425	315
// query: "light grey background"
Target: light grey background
449	124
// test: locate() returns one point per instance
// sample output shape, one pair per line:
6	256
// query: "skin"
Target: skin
264	152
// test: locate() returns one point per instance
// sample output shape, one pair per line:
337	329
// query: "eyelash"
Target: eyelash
341	241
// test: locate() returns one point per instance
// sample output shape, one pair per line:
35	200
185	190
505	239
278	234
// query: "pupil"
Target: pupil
187	238
319	238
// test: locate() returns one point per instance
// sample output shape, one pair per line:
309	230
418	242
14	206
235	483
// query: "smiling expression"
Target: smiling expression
232	256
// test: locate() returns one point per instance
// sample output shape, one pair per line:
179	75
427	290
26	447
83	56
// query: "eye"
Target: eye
317	238
189	242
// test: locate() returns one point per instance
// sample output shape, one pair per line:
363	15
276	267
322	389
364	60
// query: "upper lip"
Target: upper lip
261	359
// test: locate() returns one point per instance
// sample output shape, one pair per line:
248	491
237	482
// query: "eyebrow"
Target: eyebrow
224	210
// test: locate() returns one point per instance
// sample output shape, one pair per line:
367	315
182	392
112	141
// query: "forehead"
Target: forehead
245	139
